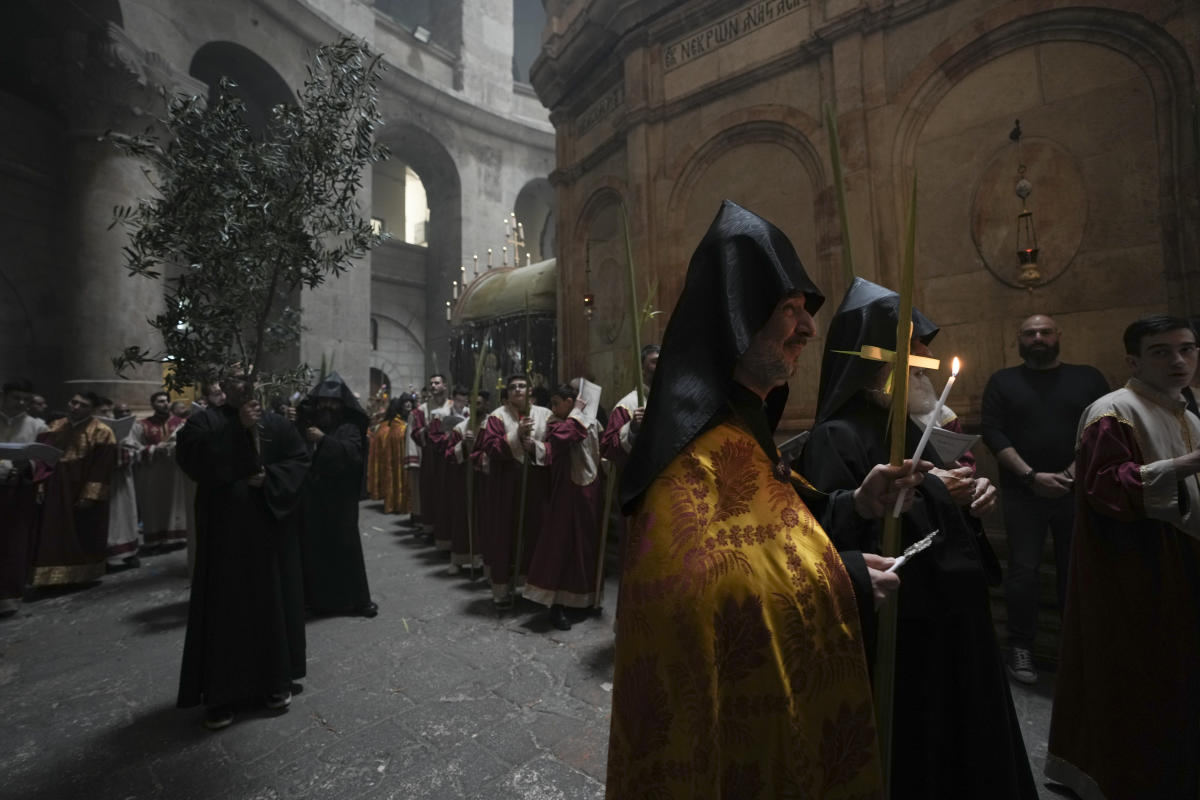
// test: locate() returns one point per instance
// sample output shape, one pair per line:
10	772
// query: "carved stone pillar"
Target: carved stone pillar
102	82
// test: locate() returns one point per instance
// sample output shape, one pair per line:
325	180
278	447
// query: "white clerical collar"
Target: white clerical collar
1173	402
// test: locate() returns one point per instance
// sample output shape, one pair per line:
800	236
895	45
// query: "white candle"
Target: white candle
506	227
447	311
454	290
489	258
504	256
475	267
937	413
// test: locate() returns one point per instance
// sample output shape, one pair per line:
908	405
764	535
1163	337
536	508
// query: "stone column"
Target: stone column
104	83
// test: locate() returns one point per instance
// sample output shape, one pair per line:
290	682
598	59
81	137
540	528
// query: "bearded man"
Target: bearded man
335	427
245	629
73	545
739	667
955	733
1030	413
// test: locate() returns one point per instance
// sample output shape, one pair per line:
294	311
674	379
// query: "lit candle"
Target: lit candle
462	272
506	230
489	258
447	311
527	258
454	290
937	413
521	231
475	267
504	256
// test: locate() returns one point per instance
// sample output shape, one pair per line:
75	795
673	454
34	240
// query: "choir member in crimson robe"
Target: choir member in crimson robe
18	495
562	570
335	576
1126	699
245	630
449	493
161	492
955	733
621	429
430	465
512	438
739	667
73	544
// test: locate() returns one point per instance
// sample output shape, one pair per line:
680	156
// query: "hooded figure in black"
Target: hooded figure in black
245	630
955	732
739	658
335	428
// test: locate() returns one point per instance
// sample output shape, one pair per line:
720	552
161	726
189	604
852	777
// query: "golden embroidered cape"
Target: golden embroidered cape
740	669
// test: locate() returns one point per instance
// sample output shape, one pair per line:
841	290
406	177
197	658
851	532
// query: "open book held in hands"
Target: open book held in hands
30	451
590	394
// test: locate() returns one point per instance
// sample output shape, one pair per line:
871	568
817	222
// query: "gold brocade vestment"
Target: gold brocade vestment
740	669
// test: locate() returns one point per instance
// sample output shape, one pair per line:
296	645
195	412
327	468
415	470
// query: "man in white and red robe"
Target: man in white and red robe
562	571
1127	698
512	437
626	418
430	465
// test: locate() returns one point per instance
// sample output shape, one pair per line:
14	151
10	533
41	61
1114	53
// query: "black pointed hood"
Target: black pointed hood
740	271
333	386
866	317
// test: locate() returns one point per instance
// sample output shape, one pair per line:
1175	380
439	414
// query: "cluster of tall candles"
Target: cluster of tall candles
514	234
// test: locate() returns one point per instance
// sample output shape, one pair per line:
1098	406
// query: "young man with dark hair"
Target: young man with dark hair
562	570
442	424
122	498
425	465
626	418
1126	700
512	438
73	544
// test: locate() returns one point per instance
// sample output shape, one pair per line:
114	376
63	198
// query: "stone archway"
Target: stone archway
536	210
421	150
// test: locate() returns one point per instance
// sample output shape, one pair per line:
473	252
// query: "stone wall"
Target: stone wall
692	102
451	111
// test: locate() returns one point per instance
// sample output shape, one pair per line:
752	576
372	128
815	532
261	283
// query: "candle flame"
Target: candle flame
954	367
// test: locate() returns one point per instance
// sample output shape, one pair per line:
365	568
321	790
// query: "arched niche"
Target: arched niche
600	347
420	149
1101	96
535	209
729	165
259	85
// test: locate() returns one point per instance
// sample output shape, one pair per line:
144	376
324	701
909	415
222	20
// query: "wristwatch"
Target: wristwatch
1028	476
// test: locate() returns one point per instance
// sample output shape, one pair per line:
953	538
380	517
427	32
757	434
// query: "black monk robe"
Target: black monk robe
955	733
245	633
335	578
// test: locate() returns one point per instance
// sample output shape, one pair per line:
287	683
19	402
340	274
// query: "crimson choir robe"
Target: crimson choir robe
1126	718
562	569
510	540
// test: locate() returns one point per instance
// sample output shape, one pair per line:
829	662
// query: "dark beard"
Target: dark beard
1038	355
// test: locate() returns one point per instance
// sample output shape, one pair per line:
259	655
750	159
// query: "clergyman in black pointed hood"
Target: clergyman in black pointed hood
955	733
335	427
730	587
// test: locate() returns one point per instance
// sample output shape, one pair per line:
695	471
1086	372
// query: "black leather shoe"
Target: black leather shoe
558	618
370	611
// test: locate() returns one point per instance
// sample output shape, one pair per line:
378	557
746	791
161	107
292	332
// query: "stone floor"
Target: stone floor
435	698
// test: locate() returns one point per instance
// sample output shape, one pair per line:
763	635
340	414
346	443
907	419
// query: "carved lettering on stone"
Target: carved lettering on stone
731	27
600	109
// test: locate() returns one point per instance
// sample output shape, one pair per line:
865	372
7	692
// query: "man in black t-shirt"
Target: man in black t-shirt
1030	415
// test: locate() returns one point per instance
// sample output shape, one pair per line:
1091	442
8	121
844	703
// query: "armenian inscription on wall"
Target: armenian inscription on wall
729	28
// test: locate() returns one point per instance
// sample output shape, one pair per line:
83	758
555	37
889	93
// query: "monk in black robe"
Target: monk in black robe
955	733
245	632
335	427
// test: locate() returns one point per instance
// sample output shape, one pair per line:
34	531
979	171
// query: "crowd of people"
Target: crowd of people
747	628
517	491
